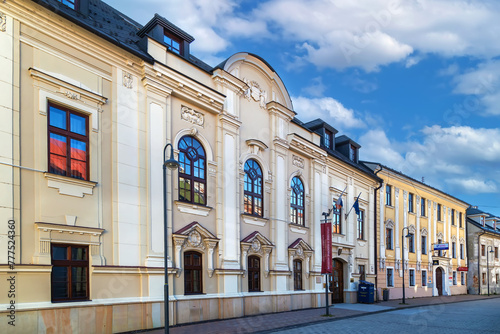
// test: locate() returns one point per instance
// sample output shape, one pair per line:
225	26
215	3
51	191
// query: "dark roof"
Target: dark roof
319	123
116	27
221	65
410	178
486	228
344	139
161	21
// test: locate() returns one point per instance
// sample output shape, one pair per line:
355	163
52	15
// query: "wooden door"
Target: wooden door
439	281
337	282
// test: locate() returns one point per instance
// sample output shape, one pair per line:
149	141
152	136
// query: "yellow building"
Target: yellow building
88	100
412	218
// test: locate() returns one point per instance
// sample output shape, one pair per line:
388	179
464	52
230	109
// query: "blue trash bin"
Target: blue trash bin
366	292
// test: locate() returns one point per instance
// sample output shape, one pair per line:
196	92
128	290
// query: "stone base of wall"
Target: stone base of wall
132	316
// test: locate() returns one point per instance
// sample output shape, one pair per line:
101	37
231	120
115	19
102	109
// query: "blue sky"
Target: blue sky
415	82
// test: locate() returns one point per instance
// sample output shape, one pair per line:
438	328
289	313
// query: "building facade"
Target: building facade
483	241
412	219
89	100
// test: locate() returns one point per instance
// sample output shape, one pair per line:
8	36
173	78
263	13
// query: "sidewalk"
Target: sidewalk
267	323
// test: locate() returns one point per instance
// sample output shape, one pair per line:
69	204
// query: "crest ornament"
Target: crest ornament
256	245
256	93
194	238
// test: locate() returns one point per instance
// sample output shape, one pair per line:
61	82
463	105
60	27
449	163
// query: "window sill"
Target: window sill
70	186
389	206
254	220
193	209
298	228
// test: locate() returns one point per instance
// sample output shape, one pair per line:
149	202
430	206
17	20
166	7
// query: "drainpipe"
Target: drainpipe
479	261
375	227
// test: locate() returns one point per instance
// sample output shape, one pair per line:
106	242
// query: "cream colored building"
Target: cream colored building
483	242
408	207
88	100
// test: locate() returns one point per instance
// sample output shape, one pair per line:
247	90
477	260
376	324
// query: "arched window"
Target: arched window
253	188
297	201
297	274
192	273
192	171
253	273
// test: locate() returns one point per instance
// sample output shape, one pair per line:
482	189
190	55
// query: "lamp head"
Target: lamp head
172	163
408	235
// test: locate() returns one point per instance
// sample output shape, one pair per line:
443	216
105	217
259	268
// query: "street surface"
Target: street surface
482	316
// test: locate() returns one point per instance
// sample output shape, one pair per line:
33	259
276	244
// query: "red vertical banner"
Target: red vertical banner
326	248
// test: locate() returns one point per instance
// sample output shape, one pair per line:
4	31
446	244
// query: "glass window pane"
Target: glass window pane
57	144
59	274
59	253
78	253
57	165
78	124
57	117
78	150
79	169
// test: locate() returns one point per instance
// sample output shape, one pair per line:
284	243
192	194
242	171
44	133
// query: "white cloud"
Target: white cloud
316	88
337	34
457	159
328	109
473	185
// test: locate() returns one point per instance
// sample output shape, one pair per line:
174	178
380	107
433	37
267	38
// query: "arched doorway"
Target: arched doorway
337	288
439	280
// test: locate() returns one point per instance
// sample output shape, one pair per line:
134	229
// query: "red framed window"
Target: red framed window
192	273
192	171
297	201
173	43
253	189
70	273
68	142
253	273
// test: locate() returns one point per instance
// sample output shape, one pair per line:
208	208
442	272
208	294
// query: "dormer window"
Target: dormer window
352	153
73	4
173	43
328	139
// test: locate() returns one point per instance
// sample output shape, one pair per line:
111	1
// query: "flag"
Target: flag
338	203
356	206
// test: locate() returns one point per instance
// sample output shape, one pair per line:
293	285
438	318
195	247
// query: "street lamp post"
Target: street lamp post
488	266
403	251
171	164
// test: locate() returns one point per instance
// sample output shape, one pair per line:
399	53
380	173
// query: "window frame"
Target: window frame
483	250
454	249
69	263
483	278
460	218
391	243
422	207
68	134
411	243
251	272
496	252
411	202
422	278
353	153
251	193
455	278
423	240
411	275
388	195
337	221
328	139
361	224
73	4
462	278
453	217
297	275
188	270
298	197
169	43
389	284
438	213
462	257
193	180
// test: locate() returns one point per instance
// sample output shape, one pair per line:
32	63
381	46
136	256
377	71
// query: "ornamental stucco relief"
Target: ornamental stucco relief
192	116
